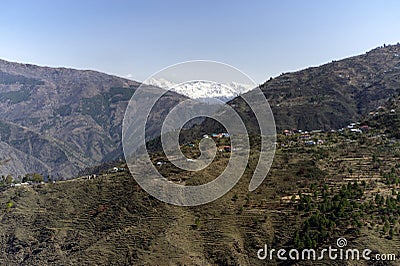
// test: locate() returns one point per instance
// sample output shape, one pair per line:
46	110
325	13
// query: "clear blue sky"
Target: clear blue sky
138	38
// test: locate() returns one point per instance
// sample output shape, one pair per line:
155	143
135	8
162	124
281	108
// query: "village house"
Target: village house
160	163
305	136
309	142
355	130
227	148
220	135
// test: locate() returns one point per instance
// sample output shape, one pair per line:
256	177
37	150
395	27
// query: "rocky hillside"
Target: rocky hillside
57	121
332	95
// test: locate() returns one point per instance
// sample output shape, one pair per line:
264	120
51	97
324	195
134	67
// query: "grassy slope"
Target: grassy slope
111	221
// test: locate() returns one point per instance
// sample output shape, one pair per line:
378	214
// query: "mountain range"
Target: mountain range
206	91
322	186
58	121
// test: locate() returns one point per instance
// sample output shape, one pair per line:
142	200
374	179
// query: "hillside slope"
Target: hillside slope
332	95
313	195
57	121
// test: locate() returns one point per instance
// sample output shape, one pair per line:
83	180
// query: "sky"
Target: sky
135	39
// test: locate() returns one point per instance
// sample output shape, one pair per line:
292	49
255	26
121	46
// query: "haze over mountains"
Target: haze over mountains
58	121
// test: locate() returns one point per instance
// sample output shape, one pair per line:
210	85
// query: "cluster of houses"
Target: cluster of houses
310	142
116	169
293	131
380	109
28	183
110	171
217	135
304	136
88	177
16	183
355	128
310	138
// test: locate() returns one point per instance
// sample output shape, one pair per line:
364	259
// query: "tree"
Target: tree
391	232
9	179
386	227
35	177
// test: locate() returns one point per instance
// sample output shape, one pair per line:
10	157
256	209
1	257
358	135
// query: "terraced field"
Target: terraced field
110	220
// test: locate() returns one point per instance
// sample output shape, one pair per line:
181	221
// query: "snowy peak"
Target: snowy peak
204	90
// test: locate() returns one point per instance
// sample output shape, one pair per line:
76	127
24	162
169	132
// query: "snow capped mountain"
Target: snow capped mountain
204	90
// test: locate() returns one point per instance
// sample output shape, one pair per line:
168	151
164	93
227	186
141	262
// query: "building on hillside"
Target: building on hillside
355	130
305	136
227	148
310	142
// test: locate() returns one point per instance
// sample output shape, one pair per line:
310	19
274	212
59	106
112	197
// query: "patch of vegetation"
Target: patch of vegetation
8	79
15	96
117	94
5	131
64	110
328	212
308	169
9	205
33	177
99	106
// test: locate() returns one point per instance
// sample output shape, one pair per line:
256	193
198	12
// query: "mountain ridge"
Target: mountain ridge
203	90
342	91
83	109
71	119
